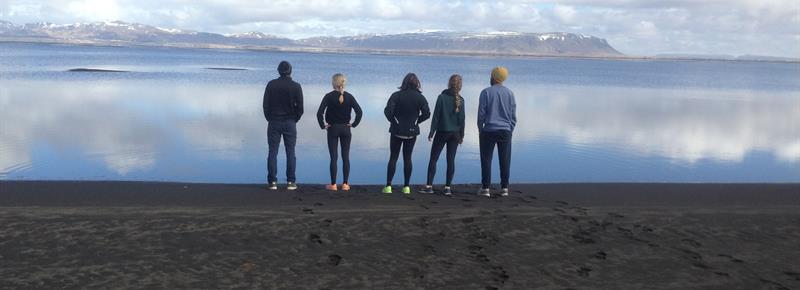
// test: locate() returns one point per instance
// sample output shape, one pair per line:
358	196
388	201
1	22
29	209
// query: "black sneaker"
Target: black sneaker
426	189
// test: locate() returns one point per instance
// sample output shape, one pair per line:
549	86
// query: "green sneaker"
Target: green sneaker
406	190
387	189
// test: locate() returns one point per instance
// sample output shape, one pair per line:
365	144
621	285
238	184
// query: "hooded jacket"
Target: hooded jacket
405	110
445	117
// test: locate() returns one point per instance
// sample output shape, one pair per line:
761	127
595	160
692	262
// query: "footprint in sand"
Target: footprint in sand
334	259
600	255
318	204
314	238
616	215
794	275
468	220
308	211
583	271
774	284
499	274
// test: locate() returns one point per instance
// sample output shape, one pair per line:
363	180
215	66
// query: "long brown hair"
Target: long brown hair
410	82
454	85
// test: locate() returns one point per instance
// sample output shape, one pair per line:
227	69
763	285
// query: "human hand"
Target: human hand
327	126
349	125
460	141
430	139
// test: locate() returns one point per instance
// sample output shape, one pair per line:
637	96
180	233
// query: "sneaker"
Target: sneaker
484	192
427	189
272	186
406	190
331	187
447	191
504	192
387	189
291	186
345	186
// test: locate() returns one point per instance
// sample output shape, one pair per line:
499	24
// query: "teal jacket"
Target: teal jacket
445	117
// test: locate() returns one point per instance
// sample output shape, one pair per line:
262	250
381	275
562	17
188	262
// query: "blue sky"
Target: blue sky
639	27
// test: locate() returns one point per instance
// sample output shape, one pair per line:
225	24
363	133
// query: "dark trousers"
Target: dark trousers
339	133
487	142
395	144
275	130
439	141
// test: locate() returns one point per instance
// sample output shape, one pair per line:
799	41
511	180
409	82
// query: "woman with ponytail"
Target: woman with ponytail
336	107
448	128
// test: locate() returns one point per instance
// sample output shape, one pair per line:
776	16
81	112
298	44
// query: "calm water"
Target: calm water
579	120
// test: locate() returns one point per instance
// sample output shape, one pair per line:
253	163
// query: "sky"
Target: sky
635	27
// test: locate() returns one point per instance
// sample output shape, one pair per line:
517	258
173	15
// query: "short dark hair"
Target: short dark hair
410	82
284	68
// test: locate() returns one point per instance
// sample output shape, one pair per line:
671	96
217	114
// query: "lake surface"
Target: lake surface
580	120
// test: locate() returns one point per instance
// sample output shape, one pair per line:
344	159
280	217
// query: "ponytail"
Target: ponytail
454	85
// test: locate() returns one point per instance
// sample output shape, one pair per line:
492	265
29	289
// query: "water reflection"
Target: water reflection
198	132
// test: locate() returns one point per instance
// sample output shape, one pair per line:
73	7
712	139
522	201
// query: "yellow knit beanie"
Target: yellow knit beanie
499	74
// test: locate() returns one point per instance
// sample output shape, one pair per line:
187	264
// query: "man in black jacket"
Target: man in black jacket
283	107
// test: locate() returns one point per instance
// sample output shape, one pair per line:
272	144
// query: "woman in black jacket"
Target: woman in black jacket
406	109
337	106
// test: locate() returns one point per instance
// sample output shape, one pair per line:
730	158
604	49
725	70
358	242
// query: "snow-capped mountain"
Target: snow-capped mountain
426	41
557	43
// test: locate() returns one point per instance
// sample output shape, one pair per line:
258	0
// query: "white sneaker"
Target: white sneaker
291	186
484	192
448	191
504	192
272	186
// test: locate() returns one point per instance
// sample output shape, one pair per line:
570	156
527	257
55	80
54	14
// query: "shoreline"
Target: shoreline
357	51
105	193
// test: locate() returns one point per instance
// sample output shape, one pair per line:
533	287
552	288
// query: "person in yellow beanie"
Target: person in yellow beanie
499	74
497	117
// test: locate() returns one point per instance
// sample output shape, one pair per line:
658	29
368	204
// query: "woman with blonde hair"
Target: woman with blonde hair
448	127
334	115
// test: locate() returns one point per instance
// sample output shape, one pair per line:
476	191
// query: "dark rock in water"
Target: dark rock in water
94	70
225	68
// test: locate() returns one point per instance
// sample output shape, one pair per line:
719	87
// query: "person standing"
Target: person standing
497	117
283	107
405	110
336	107
448	126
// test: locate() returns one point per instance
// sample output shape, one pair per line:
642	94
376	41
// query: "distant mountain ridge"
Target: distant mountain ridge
500	43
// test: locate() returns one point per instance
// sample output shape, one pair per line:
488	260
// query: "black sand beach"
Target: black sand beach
549	236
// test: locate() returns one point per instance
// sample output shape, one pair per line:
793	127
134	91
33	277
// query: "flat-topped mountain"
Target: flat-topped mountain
503	43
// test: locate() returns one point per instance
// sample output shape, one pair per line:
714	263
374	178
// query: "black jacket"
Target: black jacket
283	100
338	113
405	110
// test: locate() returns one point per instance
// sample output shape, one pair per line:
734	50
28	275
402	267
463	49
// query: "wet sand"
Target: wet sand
549	236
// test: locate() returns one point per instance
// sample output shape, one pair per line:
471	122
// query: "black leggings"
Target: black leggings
451	140
408	147
336	133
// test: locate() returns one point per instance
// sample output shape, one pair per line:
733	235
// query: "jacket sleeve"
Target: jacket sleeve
426	111
462	118
265	104
322	106
436	115
298	102
513	112
482	110
359	113
389	110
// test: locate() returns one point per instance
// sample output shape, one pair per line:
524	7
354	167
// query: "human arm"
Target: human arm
424	109
298	103
265	104
321	111
436	115
359	113
461	120
482	110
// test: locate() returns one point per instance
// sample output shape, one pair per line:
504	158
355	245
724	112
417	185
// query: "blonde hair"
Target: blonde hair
338	80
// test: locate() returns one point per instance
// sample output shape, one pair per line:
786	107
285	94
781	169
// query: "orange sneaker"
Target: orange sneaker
345	186
331	187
